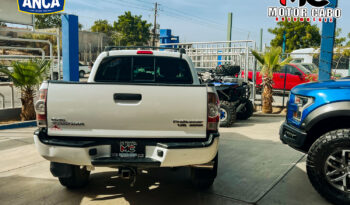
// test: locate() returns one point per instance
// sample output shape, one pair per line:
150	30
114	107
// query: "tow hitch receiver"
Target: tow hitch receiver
128	173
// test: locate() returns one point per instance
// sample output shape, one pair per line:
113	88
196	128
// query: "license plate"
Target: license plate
128	149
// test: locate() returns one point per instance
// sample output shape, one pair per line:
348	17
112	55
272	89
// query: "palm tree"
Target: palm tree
27	76
271	62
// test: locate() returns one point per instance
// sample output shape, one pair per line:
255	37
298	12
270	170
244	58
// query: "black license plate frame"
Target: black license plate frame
128	149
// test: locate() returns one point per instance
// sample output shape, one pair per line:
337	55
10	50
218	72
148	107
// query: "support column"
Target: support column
70	47
327	46
261	40
229	28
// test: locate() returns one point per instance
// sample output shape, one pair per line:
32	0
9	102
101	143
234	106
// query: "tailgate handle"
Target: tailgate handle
127	97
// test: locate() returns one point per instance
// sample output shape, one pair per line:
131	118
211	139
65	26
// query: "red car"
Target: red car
296	74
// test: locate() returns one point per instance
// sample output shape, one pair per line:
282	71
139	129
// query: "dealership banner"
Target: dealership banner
319	12
41	6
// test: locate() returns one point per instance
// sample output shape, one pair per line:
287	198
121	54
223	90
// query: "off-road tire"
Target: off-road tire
78	179
231	114
325	146
247	111
204	178
81	74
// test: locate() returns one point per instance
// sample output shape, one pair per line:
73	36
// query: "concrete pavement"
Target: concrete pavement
254	168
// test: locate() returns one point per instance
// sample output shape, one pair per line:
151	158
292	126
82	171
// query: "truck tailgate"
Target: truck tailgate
126	111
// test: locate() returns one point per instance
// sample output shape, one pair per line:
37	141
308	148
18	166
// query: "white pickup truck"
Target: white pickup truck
139	109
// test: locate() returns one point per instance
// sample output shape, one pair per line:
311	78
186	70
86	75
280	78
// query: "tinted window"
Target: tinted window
307	69
289	69
283	69
144	69
114	69
292	70
173	70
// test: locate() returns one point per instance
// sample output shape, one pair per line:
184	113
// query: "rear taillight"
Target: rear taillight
40	108
213	112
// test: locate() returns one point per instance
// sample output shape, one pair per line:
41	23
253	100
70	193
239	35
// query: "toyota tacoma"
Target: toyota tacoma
141	108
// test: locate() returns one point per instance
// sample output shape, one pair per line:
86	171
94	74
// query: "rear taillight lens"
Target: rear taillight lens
40	108
213	112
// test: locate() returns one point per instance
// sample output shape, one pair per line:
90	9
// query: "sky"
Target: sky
195	20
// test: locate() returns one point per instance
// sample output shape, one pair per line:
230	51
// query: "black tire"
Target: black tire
78	179
323	166
81	74
247	111
203	178
230	114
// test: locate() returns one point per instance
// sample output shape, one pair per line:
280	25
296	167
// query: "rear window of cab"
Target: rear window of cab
144	69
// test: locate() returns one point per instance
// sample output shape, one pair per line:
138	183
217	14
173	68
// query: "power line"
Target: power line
200	18
176	12
128	4
189	19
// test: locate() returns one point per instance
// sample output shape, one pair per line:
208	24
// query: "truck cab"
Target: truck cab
318	123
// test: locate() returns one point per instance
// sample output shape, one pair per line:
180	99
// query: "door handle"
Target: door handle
127	97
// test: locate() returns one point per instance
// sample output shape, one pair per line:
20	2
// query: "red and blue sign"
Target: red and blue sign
41	6
311	2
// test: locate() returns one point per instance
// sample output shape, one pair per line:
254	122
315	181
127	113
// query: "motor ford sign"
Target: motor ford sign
41	6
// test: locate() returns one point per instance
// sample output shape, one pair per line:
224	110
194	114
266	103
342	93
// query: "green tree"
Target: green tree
132	30
298	35
27	76
48	21
339	40
102	26
271	62
348	43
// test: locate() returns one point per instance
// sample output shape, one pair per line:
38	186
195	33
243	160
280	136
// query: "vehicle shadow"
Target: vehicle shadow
161	186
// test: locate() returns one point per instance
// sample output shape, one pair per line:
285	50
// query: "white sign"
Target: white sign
9	13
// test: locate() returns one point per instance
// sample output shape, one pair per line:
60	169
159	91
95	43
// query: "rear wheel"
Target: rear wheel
78	179
227	114
247	111
203	178
328	166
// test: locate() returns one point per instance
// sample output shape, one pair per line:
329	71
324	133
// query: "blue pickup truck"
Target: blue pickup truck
318	123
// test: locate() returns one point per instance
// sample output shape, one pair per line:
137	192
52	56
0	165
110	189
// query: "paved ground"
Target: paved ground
254	168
